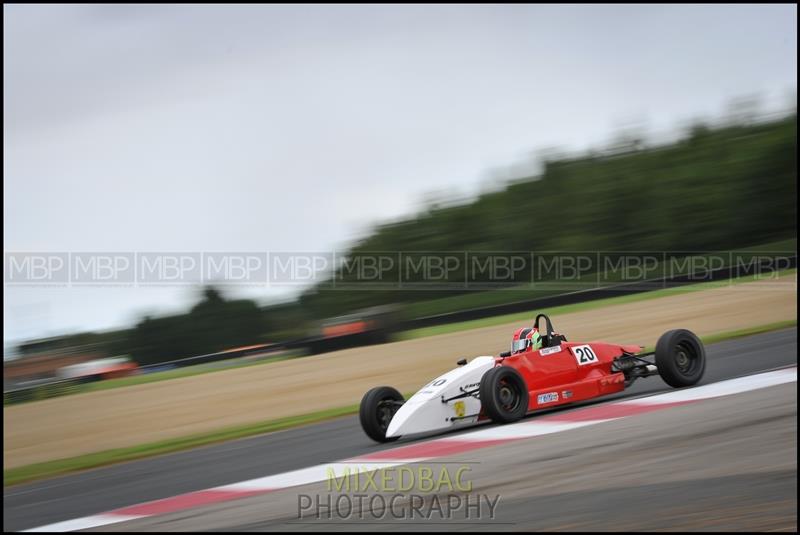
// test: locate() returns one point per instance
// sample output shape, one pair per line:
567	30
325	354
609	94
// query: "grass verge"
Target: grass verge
35	471
93	460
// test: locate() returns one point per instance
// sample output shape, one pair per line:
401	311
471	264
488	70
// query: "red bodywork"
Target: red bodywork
557	376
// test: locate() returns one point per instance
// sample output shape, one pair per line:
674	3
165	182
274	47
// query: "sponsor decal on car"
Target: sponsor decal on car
460	408
550	397
566	394
550	350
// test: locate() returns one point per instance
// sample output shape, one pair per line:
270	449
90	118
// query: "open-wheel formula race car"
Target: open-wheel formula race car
540	371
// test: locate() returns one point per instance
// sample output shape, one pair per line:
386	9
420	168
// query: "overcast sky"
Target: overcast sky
296	128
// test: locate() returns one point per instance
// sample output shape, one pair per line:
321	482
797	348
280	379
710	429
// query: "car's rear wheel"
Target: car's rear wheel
377	410
680	358
504	395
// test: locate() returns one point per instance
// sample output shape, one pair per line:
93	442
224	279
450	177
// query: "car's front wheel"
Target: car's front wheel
377	410
504	395
680	358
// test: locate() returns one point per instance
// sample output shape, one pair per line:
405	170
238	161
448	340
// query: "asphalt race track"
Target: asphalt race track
725	464
761	485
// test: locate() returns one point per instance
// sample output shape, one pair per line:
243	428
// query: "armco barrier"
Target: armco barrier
592	294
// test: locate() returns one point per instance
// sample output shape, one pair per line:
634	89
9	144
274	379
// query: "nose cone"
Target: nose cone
419	417
426	412
394	429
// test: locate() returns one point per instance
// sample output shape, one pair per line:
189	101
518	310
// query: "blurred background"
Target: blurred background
388	136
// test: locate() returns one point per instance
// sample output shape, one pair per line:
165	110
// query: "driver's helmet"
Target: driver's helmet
524	338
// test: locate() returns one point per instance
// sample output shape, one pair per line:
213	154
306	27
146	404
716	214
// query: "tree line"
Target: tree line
716	188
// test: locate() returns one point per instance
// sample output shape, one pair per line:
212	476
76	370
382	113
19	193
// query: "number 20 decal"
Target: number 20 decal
584	355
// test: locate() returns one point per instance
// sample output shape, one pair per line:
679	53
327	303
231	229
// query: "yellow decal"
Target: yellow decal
460	408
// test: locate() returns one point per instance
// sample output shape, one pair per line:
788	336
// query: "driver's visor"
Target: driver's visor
519	345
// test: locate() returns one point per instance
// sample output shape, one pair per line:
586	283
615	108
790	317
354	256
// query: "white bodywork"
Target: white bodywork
425	411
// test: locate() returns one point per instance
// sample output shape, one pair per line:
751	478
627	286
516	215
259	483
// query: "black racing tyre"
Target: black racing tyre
376	411
504	395
680	358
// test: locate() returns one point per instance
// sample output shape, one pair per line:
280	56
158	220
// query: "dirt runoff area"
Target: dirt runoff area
85	423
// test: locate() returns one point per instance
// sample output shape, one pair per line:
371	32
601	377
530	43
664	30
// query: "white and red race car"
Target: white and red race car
506	387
